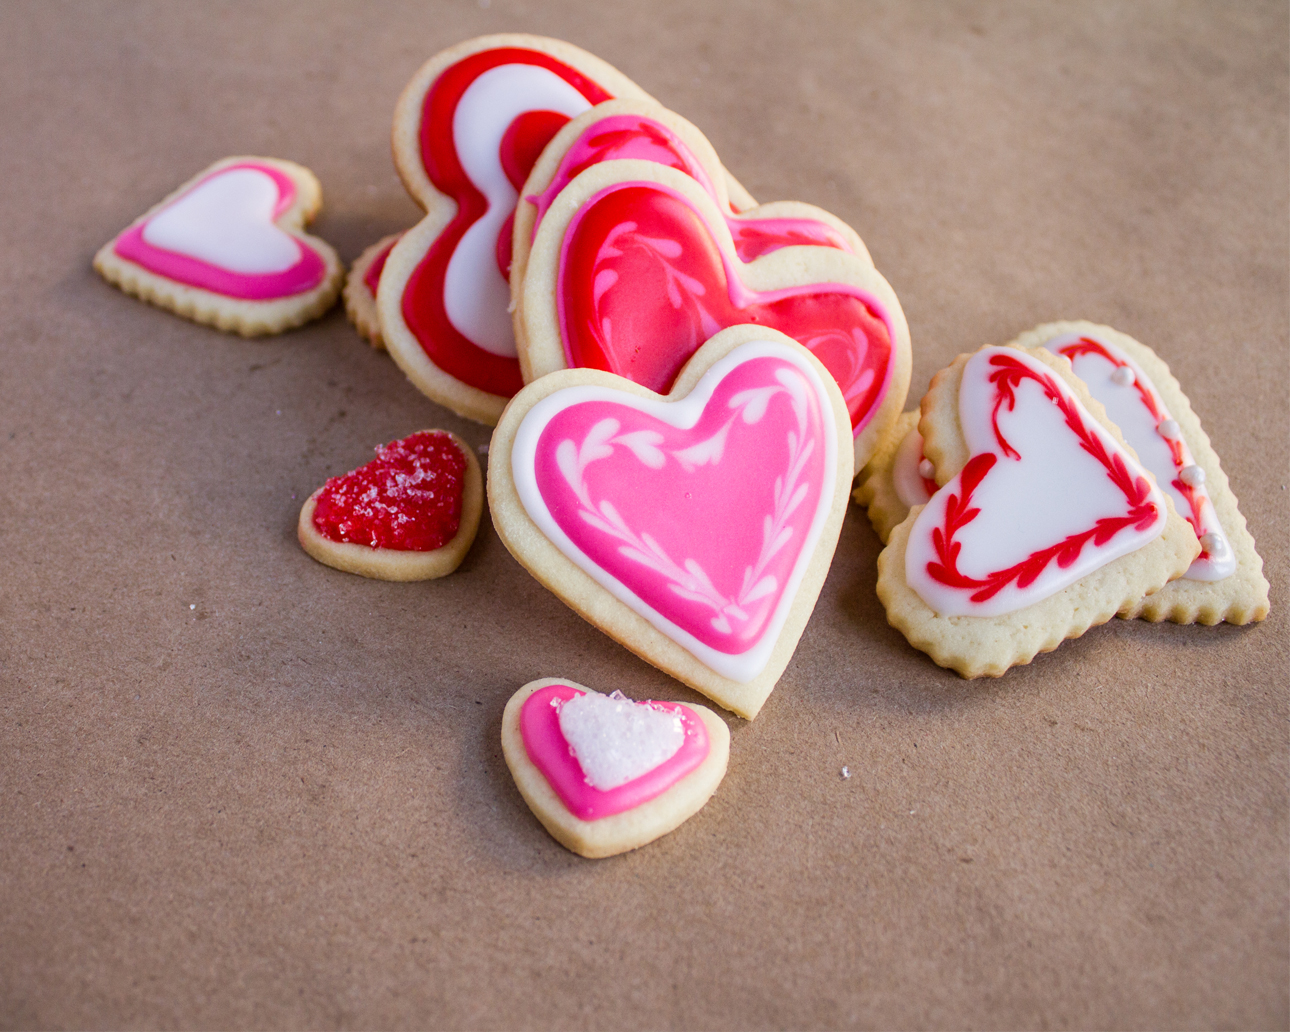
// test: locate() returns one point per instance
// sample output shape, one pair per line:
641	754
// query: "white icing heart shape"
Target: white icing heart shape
1047	497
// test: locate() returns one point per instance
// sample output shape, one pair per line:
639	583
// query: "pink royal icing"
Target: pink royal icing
232	214
551	754
699	514
1047	497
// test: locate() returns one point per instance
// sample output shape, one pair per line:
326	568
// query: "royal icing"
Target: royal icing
909	471
610	754
483	125
632	136
701	514
372	277
1047	497
221	236
1135	406
643	282
408	498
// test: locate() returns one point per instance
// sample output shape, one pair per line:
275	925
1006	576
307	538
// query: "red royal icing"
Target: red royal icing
1141	513
373	275
408	498
423	304
643	283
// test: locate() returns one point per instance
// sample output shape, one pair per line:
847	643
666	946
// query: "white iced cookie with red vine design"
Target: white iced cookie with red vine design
1141	396
604	774
409	514
896	478
694	528
360	289
228	249
643	130
467	130
635	265
1045	523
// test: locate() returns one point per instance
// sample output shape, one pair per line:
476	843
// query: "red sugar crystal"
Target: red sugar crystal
407	498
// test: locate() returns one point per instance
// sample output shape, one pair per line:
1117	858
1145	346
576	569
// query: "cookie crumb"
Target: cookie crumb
846	773
193	606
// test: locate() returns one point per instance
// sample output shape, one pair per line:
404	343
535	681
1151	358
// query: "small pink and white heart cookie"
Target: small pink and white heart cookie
1044	524
409	514
228	249
1226	582
895	477
695	528
636	263
604	774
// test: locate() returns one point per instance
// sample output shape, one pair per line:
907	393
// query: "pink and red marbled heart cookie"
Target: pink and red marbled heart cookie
1044	522
695	528
228	249
604	774
635	264
409	514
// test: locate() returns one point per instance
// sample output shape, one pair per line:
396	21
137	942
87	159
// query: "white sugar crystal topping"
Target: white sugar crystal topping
616	740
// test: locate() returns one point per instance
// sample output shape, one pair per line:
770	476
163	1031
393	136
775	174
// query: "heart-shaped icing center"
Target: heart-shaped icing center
408	498
643	283
606	754
1047	497
699	514
221	236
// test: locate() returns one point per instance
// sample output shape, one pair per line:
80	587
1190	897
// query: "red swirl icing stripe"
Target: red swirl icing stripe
423	299
628	136
548	749
303	276
643	283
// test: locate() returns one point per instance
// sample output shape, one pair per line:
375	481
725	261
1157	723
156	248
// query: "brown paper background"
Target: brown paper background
238	788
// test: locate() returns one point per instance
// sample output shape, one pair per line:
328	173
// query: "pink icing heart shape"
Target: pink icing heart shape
221	236
699	514
1047	497
550	752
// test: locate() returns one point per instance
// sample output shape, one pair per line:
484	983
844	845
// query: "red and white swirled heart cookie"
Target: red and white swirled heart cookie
227	249
604	774
1044	524
1226	581
642	130
409	514
467	130
696	528
634	266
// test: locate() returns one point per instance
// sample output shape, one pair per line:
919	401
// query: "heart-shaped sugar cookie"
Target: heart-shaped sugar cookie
604	774
227	249
1049	527
696	529
409	514
634	267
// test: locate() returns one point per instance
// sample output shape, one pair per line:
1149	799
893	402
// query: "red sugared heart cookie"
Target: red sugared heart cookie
409	514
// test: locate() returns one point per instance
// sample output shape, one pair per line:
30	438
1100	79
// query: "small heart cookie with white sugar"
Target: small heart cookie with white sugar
409	514
604	774
1044	525
227	249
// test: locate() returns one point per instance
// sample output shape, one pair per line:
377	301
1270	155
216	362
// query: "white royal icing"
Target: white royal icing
476	297
616	740
1124	406
1054	490
227	221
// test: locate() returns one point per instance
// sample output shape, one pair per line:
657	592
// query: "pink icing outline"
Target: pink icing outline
741	296
305	275
550	752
